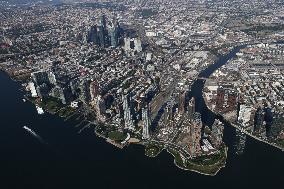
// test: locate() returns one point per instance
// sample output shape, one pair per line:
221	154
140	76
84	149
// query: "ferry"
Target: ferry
34	134
30	131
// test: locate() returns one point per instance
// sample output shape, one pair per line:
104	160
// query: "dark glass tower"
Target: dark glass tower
93	35
258	119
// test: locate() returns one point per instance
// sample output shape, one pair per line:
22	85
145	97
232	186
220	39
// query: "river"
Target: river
70	160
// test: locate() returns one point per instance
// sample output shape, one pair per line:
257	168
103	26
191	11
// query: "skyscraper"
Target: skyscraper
101	36
127	42
40	77
195	135
128	121
220	99
217	133
93	35
114	33
268	118
168	115
181	104
113	37
94	89
232	100
191	107
137	45
146	122
102	21
84	95
100	108
258	119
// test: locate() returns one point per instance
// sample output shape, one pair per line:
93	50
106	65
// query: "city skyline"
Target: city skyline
166	75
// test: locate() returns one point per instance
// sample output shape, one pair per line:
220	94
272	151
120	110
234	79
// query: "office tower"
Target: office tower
268	118
101	36
258	119
44	81
52	78
244	115
168	115
181	104
94	89
146	122
128	121
127	43
114	33
113	37
220	99
59	93
40	77
93	35
195	135
240	142
102	21
75	86
43	90
232	101
100	108
191	107
137	45
217	133
84	94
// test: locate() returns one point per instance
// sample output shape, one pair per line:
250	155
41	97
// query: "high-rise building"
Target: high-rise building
268	118
94	89
100	108
168	115
93	35
195	135
114	33
127	42
44	82
232	101
40	77
52	78
240	142
102	21
43	90
101	36
128	120
217	133
258	119
220	99
191	107
132	44
146	122
59	93
84	94
137	45
181	104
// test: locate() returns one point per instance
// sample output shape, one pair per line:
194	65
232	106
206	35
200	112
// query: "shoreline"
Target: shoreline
115	143
197	171
235	126
108	140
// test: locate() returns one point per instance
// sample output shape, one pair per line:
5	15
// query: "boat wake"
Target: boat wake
34	134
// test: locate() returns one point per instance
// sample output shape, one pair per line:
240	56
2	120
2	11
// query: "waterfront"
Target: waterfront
74	160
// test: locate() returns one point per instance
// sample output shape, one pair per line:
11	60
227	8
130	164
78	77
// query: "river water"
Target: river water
68	159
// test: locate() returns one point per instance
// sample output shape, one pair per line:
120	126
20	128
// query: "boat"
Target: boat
34	134
30	131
